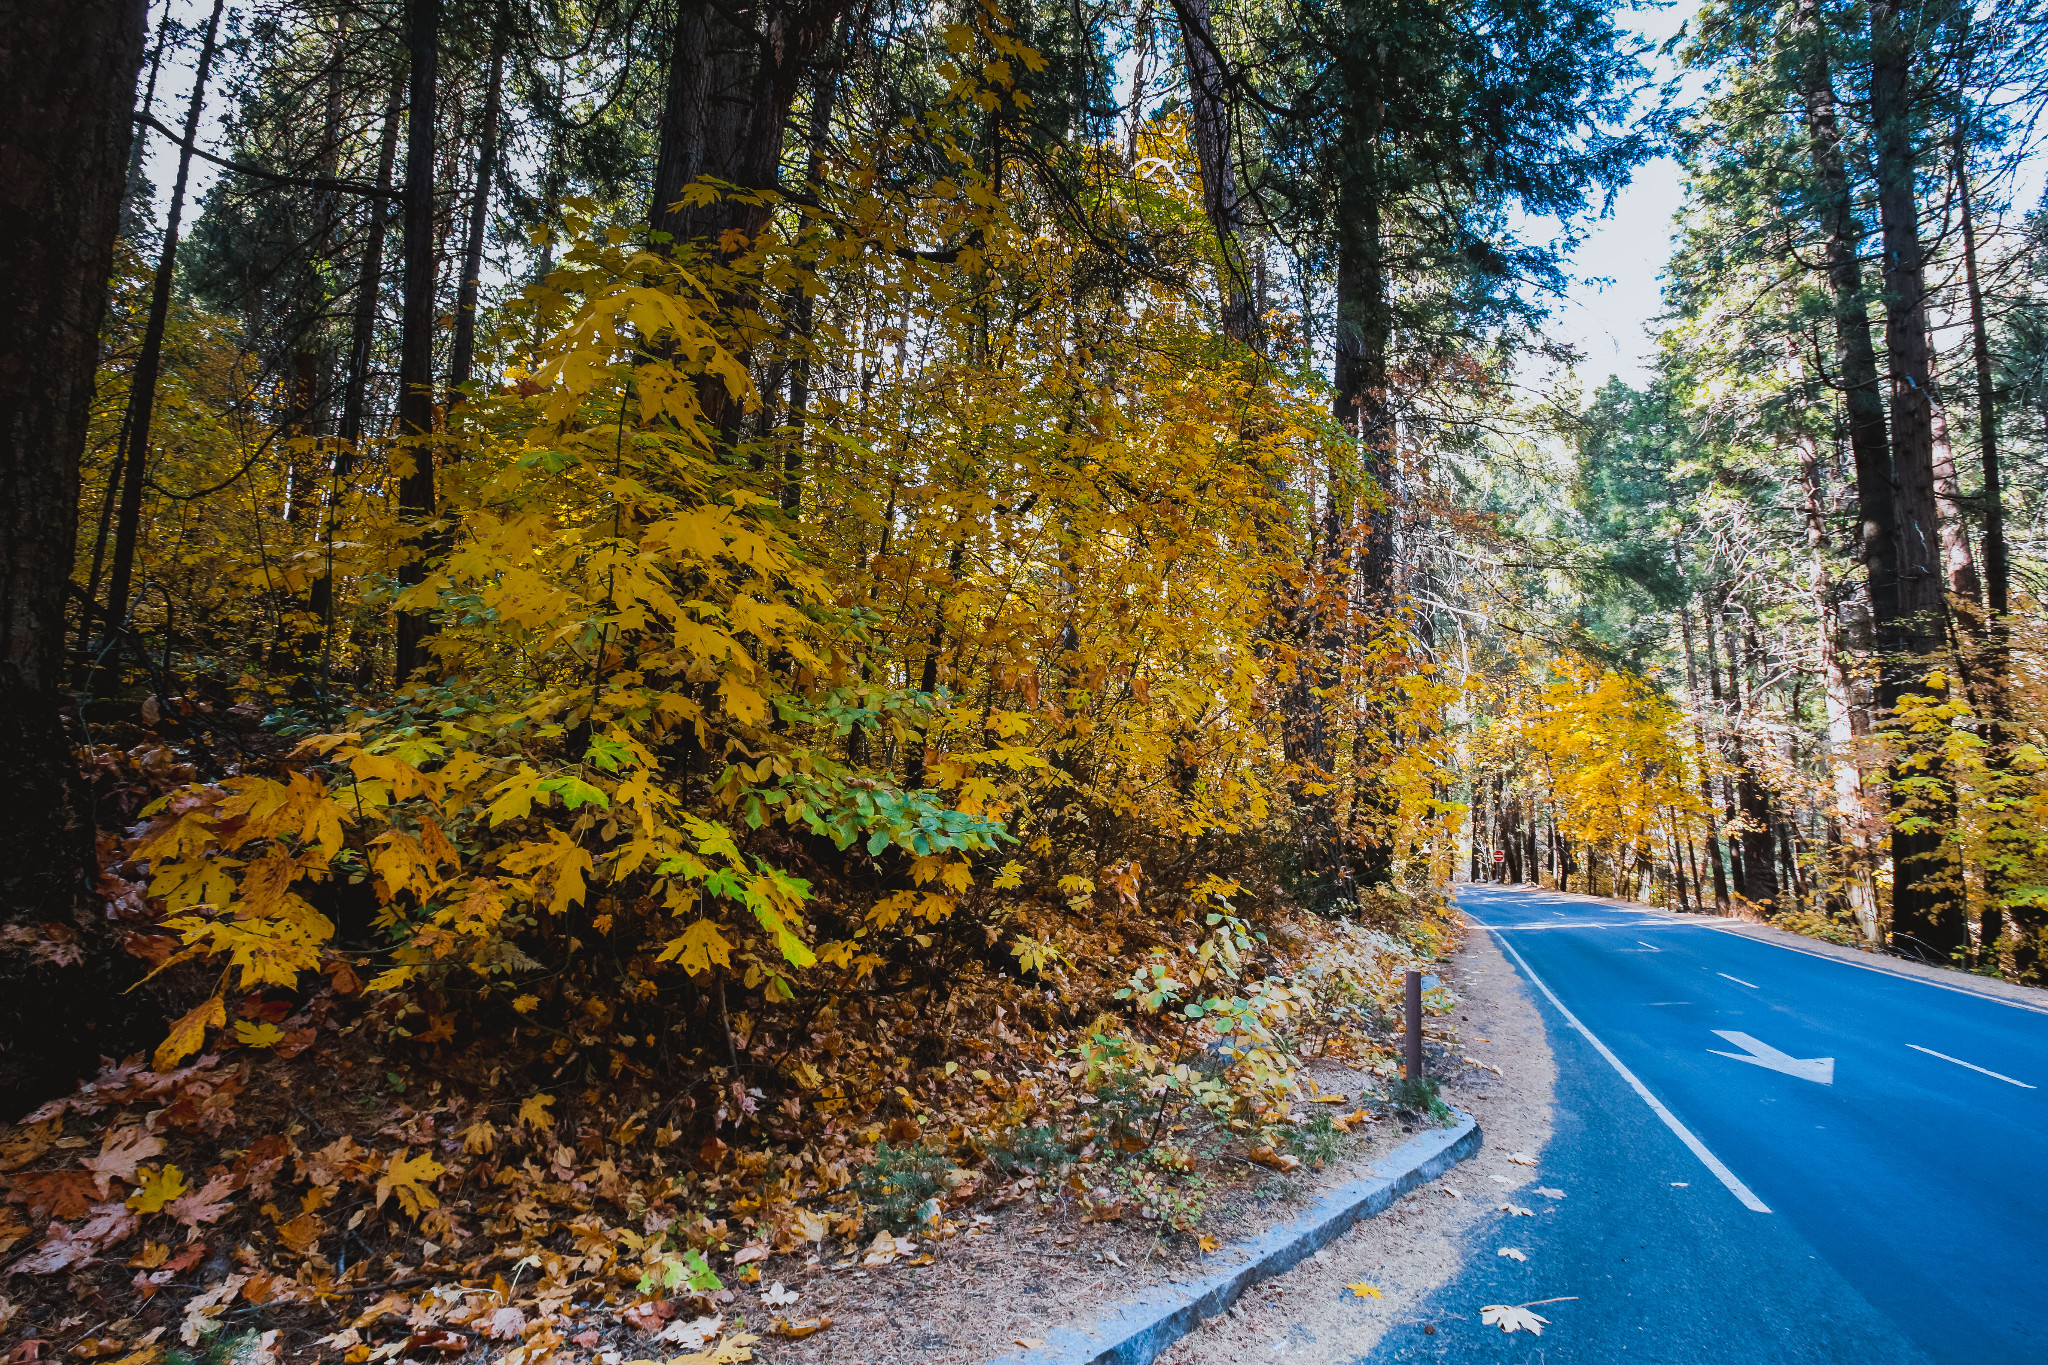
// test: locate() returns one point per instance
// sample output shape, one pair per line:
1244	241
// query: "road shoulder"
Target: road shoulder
1497	1067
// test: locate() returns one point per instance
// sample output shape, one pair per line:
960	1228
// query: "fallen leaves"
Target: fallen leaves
67	1247
189	1032
411	1178
1521	1158
533	1112
1512	1253
1549	1193
1362	1290
204	1205
1513	1318
798	1328
693	1335
888	1247
1272	1160
1515	1210
60	1194
775	1296
121	1151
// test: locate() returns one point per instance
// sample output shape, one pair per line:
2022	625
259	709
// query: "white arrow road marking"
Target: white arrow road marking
1736	979
1972	1065
1821	1069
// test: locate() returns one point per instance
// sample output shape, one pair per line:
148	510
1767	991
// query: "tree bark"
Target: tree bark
1855	353
1211	127
1722	905
1851	812
416	327
67	88
1958	564
2020	922
1925	905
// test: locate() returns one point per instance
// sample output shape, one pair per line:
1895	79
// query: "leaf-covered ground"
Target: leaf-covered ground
357	1183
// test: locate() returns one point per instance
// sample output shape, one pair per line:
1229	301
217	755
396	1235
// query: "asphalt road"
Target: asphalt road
1861	1199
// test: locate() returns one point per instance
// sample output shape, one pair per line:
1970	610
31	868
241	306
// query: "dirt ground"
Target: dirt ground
1310	1316
1013	1280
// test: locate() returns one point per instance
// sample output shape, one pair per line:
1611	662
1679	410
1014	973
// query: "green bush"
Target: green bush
1316	1139
1418	1096
1813	924
897	1183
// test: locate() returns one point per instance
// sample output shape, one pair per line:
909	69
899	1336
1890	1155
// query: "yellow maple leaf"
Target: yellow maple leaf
1362	1290
411	1179
159	1187
257	1035
189	1032
697	948
534	1112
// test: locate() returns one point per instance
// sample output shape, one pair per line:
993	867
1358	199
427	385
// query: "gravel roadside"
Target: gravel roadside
1312	1315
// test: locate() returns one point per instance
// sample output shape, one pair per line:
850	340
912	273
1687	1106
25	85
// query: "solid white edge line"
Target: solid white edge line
1699	1149
1740	982
1972	1065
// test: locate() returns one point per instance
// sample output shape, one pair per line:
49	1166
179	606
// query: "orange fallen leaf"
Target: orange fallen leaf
798	1328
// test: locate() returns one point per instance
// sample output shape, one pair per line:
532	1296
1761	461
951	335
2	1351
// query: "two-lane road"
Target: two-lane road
1767	1155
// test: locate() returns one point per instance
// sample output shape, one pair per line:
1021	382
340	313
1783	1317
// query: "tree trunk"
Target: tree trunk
1759	854
462	351
1851	812
1958	564
416	327
149	360
67	86
1362	335
369	285
824	95
1722	905
2026	922
1212	130
1925	904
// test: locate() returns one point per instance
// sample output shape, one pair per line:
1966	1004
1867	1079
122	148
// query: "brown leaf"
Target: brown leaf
66	1247
301	1234
437	1339
26	1144
1278	1161
61	1194
203	1205
903	1132
121	1151
505	1324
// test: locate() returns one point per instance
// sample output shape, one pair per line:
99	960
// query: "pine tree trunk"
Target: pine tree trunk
415	452
1926	906
1210	125
67	88
1850	807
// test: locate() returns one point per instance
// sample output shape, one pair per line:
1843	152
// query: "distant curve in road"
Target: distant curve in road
1767	1155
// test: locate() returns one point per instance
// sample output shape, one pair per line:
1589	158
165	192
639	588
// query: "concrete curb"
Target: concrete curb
1137	1330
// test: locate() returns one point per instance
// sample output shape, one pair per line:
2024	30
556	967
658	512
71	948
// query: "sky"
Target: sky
1619	268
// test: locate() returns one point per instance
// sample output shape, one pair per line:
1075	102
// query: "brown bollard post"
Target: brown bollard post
1412	1024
